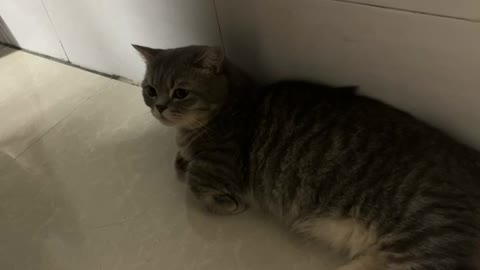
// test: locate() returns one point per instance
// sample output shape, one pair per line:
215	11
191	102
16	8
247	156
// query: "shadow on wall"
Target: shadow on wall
244	38
6	37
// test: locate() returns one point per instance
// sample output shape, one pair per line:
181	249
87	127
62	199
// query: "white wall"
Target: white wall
467	9
97	33
32	29
427	65
424	59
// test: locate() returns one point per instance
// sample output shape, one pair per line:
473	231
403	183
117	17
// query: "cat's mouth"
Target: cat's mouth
162	118
165	120
175	119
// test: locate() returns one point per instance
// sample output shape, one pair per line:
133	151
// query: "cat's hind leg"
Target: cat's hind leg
343	234
346	235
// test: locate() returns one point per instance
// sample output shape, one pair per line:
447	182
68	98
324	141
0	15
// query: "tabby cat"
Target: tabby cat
372	181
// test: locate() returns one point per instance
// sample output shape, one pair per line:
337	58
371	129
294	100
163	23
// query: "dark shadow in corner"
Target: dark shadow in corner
6	39
241	43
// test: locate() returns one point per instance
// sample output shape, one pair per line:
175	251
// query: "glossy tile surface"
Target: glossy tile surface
35	94
95	188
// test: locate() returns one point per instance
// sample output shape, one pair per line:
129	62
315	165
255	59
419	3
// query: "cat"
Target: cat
372	181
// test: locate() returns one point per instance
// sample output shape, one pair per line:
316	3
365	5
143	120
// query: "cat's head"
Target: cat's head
184	87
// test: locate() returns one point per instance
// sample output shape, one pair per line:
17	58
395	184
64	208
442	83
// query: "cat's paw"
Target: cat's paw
220	202
224	204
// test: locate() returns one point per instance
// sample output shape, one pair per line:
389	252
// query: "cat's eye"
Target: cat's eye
151	92
180	93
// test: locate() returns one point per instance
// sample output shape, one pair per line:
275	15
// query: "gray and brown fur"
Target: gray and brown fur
370	180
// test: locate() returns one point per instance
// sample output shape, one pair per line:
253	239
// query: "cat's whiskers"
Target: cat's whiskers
202	128
195	131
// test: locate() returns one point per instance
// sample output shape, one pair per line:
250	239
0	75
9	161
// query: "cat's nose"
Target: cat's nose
161	108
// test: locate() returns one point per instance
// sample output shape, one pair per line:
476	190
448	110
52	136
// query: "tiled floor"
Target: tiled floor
86	182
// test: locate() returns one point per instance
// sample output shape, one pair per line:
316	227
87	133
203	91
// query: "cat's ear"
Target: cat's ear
147	53
211	58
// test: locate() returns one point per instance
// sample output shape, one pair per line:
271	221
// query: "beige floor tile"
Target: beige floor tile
98	192
35	94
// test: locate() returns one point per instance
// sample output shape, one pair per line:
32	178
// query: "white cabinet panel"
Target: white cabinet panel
468	9
26	25
426	65
97	33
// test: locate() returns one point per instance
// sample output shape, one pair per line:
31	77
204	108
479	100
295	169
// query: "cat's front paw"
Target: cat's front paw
220	203
224	204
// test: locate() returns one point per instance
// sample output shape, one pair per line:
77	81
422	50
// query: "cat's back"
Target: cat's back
353	171
310	131
296	109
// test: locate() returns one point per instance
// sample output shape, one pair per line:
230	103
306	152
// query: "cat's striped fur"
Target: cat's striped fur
372	181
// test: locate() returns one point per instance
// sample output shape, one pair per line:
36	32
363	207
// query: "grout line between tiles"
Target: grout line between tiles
103	74
353	2
75	108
